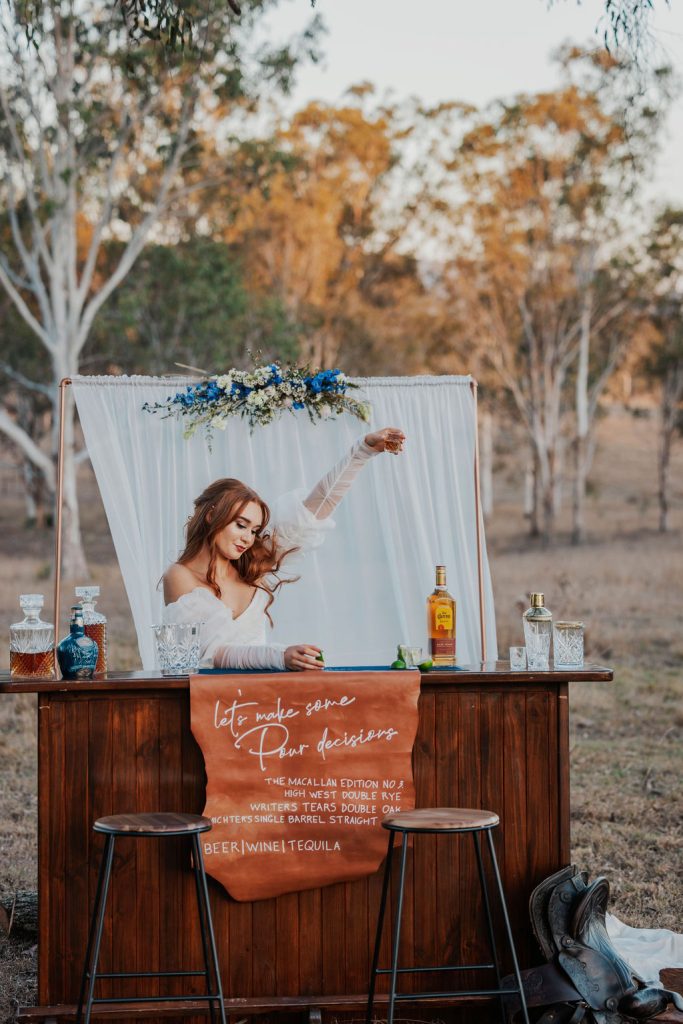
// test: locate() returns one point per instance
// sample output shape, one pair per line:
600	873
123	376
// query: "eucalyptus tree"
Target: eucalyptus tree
99	143
664	360
547	180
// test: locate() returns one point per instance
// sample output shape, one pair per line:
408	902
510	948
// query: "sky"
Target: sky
471	50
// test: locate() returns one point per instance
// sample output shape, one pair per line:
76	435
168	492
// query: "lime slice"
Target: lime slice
399	663
426	666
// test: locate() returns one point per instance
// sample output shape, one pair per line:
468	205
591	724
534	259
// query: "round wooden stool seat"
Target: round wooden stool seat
441	819
155	825
152	824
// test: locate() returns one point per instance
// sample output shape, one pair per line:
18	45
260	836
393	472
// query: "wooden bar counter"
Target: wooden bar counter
487	738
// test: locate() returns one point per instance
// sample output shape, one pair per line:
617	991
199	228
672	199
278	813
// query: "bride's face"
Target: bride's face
234	539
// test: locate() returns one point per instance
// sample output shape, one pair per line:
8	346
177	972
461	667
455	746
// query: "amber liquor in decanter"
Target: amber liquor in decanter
94	623
31	642
441	621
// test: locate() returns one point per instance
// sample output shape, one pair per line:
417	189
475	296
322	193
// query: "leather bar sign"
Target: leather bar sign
301	769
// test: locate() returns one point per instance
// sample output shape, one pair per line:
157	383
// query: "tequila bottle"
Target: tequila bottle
31	642
441	621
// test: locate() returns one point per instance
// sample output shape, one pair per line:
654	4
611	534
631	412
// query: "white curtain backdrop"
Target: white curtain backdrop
364	590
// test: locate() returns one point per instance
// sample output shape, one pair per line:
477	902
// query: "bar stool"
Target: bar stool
157	826
442	821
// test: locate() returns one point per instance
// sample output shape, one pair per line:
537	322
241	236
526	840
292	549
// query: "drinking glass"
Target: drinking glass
411	655
178	647
517	659
538	651
568	644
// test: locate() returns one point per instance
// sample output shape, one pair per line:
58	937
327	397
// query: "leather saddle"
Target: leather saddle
585	979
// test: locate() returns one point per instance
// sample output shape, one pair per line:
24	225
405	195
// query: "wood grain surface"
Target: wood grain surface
440	819
499	746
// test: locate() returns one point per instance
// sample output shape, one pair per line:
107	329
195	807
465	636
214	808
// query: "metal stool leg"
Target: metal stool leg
203	898
201	912
397	930
96	930
489	919
91	933
380	927
508	929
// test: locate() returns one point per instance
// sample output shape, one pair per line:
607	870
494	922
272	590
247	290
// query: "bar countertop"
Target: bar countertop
492	673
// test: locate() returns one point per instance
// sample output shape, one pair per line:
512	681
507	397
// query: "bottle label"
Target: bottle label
443	648
443	617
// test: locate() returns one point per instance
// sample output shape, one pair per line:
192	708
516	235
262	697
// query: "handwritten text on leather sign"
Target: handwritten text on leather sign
301	768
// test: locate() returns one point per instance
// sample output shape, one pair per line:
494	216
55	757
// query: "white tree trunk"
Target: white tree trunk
672	393
74	564
60	288
582	424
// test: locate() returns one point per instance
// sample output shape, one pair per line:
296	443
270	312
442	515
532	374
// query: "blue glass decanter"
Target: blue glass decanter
77	653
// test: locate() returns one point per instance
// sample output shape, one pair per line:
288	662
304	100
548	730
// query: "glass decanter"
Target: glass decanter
31	642
77	653
94	623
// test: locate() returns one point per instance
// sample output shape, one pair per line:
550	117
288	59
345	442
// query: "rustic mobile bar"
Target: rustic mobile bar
487	738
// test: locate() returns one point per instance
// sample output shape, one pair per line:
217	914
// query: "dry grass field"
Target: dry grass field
626	583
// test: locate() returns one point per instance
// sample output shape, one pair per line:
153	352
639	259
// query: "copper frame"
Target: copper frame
63	384
478	516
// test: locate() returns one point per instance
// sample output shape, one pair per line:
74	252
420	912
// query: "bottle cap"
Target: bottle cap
440	575
537	600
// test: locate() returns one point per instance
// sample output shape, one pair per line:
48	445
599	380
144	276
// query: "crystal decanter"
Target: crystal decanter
95	623
31	642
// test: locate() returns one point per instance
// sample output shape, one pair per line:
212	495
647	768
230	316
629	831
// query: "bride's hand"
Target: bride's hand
389	439
303	656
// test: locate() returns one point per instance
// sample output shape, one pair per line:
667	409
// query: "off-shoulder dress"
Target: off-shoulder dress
297	521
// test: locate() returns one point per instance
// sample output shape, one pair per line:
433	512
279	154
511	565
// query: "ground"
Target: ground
625	582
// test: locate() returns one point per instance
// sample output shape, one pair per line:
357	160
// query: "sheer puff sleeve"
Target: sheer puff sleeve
301	520
226	641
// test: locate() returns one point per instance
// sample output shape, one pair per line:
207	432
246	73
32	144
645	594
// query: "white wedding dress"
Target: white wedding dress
297	521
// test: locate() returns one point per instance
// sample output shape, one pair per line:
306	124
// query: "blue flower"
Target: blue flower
298	405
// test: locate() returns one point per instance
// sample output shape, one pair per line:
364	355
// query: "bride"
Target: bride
227	576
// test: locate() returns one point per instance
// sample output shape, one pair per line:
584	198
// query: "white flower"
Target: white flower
253	398
220	422
224	381
287	402
325	412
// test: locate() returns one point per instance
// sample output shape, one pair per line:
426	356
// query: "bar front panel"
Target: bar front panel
499	748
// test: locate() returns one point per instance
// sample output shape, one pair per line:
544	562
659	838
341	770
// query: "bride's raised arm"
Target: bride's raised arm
329	491
301	521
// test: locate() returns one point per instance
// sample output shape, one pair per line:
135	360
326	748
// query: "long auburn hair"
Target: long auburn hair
220	504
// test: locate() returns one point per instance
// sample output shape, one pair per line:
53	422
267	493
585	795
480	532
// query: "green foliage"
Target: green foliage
187	303
665	254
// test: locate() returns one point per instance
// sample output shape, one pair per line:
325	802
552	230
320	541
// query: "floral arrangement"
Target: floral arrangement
261	395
